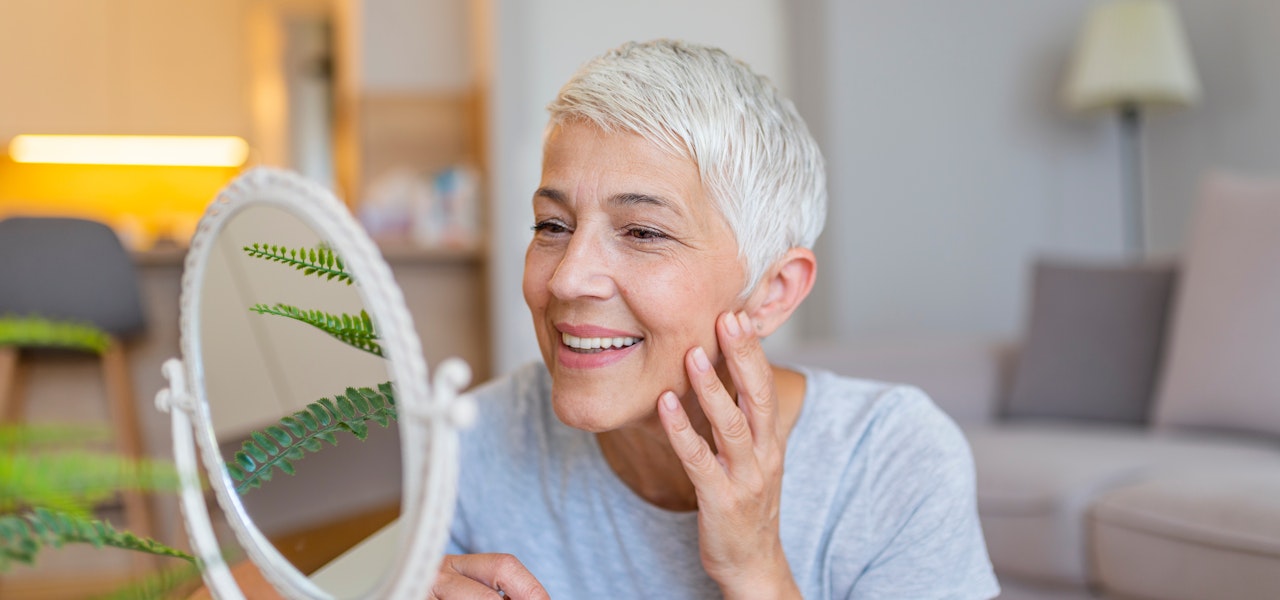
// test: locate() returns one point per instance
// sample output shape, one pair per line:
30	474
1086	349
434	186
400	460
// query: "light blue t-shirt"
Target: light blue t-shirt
877	500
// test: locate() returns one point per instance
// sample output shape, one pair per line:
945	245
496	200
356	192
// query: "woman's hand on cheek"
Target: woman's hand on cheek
739	484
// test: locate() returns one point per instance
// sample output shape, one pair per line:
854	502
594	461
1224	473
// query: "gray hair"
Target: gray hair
760	164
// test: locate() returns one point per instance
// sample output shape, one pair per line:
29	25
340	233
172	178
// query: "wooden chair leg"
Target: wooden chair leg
11	403
124	417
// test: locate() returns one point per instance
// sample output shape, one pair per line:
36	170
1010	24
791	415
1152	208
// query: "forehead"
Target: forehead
582	159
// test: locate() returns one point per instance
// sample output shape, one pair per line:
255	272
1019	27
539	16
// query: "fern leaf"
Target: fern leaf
39	332
279	446
176	582
14	438
321	261
23	536
356	332
73	480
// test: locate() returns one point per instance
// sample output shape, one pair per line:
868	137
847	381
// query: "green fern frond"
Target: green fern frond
38	332
73	481
354	331
14	438
279	446
320	261
179	581
23	536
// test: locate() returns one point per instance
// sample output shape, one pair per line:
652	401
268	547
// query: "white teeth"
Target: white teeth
597	343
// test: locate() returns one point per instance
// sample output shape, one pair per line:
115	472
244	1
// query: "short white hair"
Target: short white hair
755	155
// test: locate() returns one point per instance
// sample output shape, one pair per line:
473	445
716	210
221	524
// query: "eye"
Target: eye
645	233
550	226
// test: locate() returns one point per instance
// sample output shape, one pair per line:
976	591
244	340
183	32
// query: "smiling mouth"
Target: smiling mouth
595	345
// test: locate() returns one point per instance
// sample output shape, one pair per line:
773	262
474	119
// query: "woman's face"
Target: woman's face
629	266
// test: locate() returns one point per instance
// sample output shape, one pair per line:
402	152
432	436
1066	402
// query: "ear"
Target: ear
784	286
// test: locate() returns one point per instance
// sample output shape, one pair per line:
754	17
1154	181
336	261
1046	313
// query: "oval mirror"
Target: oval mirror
304	387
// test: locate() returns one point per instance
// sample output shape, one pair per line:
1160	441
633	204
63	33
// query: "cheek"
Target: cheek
680	303
534	284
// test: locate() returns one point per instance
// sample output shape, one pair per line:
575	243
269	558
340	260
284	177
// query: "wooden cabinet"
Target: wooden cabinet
154	67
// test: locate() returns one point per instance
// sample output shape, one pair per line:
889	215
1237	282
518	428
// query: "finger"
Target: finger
452	586
729	426
499	572
752	375
695	455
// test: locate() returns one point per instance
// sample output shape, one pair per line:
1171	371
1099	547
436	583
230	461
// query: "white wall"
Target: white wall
1236	47
415	46
951	162
537	45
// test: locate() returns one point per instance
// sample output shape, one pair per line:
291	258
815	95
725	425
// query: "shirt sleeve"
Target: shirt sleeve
932	544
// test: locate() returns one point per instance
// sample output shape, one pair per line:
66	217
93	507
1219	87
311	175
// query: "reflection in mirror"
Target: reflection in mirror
298	391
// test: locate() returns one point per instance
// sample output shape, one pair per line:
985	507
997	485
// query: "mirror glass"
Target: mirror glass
299	391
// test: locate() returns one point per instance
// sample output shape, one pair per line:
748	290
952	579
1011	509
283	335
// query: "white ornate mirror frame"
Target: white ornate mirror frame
428	418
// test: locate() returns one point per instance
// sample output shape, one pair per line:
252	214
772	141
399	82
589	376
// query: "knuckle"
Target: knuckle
699	454
507	563
762	392
736	428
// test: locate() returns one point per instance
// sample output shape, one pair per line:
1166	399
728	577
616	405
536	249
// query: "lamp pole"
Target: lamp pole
1131	157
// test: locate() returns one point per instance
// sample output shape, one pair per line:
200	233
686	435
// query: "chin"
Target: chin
595	413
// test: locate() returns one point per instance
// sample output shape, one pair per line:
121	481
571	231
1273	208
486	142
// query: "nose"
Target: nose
584	270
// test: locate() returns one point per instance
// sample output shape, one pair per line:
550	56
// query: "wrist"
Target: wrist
767	582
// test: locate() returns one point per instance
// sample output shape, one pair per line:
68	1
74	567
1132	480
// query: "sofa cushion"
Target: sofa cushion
1037	481
1093	342
1207	533
1221	370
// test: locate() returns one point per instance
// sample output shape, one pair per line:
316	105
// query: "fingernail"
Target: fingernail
700	360
744	321
731	326
669	402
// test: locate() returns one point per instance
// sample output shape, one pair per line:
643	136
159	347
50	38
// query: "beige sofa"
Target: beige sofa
1170	489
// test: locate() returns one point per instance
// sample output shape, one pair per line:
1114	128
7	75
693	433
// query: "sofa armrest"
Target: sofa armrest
966	376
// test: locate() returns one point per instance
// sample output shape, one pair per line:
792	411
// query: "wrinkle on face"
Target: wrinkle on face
604	187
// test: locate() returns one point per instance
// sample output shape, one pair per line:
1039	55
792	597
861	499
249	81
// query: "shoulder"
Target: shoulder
520	390
895	449
511	403
888	416
903	498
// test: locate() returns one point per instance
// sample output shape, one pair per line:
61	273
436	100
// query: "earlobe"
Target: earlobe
786	284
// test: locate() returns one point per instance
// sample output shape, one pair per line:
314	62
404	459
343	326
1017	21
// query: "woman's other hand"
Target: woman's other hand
739	483
483	576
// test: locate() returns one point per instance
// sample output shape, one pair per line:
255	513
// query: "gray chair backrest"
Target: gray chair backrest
69	269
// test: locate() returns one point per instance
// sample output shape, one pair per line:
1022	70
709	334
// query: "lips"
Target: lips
591	346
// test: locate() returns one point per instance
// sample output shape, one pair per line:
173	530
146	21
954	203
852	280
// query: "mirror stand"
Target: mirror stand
425	412
178	402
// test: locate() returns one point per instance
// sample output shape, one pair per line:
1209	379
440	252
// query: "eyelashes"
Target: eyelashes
632	232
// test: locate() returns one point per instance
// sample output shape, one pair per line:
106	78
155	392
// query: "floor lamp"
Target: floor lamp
1132	54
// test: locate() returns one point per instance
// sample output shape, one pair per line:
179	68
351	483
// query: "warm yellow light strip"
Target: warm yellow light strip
161	150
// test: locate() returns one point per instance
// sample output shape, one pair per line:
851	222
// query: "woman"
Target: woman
656	452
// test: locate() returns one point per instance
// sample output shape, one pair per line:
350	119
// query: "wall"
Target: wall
952	164
1236	47
142	67
536	45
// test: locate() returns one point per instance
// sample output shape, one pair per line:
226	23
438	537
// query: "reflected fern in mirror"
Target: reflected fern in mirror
321	261
278	446
354	331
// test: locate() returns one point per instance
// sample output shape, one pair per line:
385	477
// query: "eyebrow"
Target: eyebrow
625	198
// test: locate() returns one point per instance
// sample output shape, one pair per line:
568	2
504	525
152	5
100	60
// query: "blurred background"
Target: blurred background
966	143
953	160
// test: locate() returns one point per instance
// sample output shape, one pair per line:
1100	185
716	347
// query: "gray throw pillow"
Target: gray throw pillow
1093	342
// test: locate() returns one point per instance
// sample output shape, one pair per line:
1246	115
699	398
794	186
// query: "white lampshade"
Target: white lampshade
1132	52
